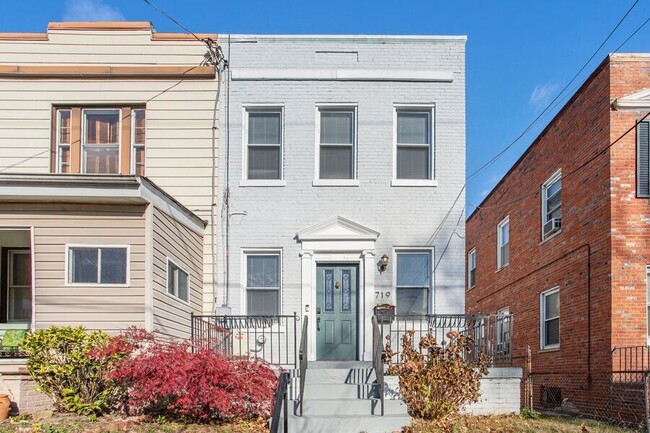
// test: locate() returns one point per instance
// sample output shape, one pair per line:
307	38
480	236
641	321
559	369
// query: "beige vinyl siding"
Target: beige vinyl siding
57	225
179	112
184	247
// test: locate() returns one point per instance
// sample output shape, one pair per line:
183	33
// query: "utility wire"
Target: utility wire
530	126
175	21
575	170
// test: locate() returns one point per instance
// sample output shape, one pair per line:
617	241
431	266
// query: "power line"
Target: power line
530	126
575	170
175	21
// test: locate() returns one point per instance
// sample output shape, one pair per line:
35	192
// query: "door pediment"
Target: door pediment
338	229
635	101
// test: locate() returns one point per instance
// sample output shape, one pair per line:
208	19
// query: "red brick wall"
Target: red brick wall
578	133
630	215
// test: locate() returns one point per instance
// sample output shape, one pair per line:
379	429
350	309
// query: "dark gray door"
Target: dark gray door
336	312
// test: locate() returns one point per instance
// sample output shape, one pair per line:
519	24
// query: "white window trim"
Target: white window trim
9	277
647	282
503	222
244	274
248	108
469	284
554	177
505	311
67	265
431	181
430	250
542	319
135	145
189	284
83	137
58	155
355	153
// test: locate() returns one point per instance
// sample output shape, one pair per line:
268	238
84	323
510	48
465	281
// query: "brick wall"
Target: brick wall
630	215
580	132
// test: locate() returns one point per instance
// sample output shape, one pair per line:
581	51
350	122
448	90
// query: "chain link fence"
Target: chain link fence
618	397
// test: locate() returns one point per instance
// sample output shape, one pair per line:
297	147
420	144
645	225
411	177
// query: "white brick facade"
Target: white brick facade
372	74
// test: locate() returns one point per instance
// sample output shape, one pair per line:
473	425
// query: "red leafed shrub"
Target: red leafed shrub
165	378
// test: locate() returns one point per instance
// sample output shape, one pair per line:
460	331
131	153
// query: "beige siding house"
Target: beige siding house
106	252
114	98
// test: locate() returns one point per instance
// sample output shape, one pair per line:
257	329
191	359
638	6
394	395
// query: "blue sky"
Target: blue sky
520	54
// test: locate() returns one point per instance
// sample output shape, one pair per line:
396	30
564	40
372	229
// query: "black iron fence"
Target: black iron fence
491	334
273	339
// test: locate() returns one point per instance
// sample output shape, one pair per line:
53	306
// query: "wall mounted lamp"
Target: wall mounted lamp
383	264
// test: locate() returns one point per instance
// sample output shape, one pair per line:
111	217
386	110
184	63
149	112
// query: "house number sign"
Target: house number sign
382	295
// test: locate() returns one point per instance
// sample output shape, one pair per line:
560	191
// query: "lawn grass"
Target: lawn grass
464	424
515	424
76	424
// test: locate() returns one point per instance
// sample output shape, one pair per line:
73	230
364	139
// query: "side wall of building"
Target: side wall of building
173	241
179	111
575	260
630	215
111	308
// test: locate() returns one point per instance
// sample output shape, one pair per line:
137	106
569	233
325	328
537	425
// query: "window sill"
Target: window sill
502	268
177	299
549	349
550	237
98	285
266	183
414	182
335	182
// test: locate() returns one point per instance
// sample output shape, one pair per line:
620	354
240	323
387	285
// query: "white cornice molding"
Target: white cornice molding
636	101
340	74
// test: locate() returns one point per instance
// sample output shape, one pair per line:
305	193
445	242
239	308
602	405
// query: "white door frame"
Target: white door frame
340	240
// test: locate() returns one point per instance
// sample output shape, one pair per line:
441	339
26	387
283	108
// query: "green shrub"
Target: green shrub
527	413
70	365
437	381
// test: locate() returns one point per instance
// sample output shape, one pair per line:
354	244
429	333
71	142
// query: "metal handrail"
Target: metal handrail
281	406
302	358
377	360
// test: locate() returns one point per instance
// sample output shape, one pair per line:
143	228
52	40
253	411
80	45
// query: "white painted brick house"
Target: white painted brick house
335	152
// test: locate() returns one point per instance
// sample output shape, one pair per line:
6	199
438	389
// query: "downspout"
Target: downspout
226	198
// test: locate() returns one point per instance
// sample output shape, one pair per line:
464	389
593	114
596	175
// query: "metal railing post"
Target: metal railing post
192	330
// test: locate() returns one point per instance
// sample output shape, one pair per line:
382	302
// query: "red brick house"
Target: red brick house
563	240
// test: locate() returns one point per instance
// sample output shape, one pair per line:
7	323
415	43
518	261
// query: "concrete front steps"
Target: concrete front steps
342	398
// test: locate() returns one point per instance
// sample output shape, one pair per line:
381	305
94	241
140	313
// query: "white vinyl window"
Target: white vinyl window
550	319
503	330
63	139
413	282
552	205
262	278
336	150
178	281
263	160
471	268
503	243
138	130
107	265
19	286
101	140
414	143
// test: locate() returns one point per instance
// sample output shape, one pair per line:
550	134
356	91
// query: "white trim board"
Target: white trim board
340	74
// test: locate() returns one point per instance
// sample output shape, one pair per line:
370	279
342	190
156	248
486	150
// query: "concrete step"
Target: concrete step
351	406
348	423
340	375
338	390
